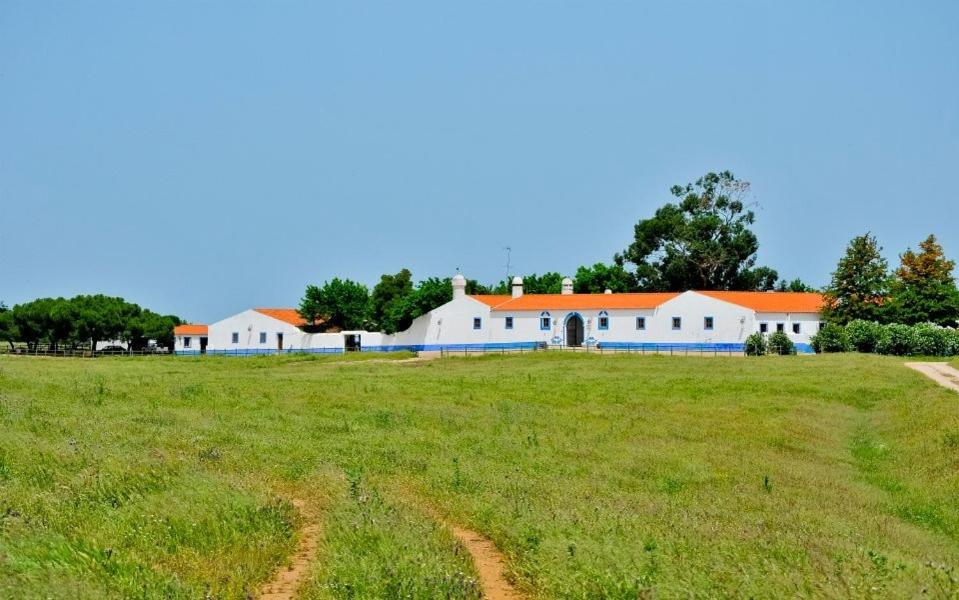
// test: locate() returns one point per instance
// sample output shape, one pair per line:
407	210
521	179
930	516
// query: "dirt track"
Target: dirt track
939	372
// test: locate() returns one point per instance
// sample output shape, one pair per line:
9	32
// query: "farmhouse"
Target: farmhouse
695	320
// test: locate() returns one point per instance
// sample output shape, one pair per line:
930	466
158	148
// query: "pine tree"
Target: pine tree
860	285
924	289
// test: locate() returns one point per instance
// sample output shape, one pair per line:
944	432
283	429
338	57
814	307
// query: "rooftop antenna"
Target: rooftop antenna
508	250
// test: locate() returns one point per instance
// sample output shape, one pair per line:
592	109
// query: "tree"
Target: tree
796	285
8	332
149	325
387	297
101	318
860	285
550	282
339	304
702	242
600	277
923	288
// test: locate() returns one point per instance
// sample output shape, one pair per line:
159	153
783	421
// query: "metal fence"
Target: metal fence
662	349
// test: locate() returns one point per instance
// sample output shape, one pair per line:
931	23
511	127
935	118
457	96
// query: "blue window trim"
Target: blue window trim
673	322
262	337
599	321
508	322
711	325
235	337
544	317
477	322
640	323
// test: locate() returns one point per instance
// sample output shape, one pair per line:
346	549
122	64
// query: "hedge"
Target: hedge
924	339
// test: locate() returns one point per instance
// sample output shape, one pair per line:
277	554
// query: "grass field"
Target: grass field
597	476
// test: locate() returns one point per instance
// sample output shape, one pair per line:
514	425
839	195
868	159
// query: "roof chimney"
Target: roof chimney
608	291
567	286
517	286
459	286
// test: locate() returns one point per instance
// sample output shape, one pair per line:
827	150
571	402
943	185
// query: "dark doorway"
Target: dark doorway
353	342
574	330
203	345
279	342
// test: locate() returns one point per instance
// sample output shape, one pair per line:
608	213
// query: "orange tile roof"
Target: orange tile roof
782	302
492	299
191	329
287	315
585	301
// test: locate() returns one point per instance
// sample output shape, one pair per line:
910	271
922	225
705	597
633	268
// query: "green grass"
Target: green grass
598	476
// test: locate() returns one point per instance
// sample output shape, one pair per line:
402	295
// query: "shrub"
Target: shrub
779	343
863	335
831	338
897	340
930	340
952	342
756	345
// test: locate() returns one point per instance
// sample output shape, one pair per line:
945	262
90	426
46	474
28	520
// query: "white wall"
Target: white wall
808	324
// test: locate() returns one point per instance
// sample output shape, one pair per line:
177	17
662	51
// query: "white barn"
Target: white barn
693	320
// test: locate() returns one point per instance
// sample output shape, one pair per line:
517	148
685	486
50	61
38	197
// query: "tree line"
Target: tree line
703	240
921	289
84	320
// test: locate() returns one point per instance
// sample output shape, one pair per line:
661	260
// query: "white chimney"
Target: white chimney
517	286
567	286
608	291
459	286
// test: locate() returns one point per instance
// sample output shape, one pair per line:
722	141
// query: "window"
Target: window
821	325
544	321
604	320
796	328
236	337
509	322
640	322
186	342
780	327
708	323
677	323
477	323
764	328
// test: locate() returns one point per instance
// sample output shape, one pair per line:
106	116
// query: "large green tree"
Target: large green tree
387	298
550	282
795	285
703	241
601	277
859	288
338	304
923	288
8	332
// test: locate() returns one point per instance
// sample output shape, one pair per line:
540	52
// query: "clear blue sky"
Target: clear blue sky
202	158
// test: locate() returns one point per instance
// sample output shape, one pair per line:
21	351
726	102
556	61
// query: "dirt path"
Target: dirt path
287	579
941	373
490	564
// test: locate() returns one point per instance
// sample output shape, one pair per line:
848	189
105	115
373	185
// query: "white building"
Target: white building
691	320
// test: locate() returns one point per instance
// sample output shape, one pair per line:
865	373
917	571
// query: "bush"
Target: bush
756	345
831	338
896	340
863	335
952	342
779	343
930	340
